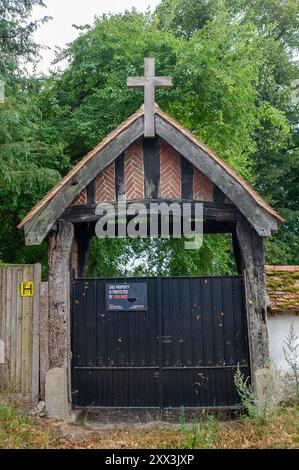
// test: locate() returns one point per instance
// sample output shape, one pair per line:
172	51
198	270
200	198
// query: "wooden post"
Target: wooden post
250	249
60	244
80	249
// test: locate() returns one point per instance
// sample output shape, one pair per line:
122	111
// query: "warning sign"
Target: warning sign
126	296
27	289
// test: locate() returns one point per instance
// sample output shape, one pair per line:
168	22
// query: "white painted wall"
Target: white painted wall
278	328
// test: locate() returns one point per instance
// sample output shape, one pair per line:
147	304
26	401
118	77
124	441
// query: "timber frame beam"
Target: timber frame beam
249	252
214	212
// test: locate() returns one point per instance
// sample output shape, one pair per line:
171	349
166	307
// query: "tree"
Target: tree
216	76
273	155
30	156
16	44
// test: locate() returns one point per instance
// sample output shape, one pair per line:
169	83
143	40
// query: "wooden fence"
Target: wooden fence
19	330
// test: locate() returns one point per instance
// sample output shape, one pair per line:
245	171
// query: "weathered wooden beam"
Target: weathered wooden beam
151	163
80	249
60	244
43	338
120	186
38	228
211	211
91	192
250	248
263	222
186	178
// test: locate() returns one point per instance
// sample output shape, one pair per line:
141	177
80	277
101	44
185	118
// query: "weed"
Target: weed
249	400
291	354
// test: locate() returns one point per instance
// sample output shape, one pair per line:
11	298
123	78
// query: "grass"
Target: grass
19	430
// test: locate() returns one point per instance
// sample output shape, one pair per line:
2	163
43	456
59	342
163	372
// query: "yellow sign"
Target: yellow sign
27	289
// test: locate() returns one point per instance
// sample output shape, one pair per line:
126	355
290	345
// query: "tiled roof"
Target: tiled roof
283	289
127	123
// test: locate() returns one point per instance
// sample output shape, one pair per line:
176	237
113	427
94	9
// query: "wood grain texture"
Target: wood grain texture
60	245
44	337
19	325
151	162
251	263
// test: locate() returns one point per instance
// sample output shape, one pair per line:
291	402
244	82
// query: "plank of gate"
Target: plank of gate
35	333
43	336
13	314
8	322
2	323
19	315
26	337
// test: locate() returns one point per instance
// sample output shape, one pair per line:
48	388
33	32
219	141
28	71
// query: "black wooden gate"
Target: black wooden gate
183	351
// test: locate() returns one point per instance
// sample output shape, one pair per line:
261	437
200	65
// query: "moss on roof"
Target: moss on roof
283	290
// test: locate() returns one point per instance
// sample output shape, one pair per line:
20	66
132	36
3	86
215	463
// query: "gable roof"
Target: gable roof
39	221
84	161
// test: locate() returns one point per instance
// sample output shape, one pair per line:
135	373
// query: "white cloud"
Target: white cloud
65	13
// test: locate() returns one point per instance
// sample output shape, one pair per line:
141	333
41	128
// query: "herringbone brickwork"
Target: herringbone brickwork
202	186
80	199
134	171
170	170
105	184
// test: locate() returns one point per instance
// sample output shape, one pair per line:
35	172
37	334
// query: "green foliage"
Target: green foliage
109	257
203	435
31	156
291	354
16	44
283	247
18	431
248	398
27	169
166	256
217	74
231	63
270	134
246	393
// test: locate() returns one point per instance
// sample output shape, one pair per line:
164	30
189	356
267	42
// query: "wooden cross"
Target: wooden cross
149	82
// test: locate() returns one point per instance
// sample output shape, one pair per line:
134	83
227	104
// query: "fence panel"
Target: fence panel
19	330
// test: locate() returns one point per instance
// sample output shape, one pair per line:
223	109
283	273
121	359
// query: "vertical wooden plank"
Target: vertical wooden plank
151	163
13	323
187	179
19	314
8	323
2	324
35	333
120	190
26	337
30	321
43	336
